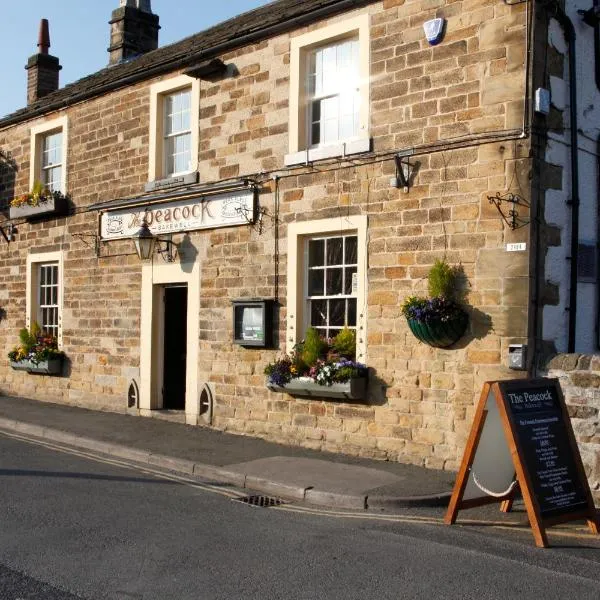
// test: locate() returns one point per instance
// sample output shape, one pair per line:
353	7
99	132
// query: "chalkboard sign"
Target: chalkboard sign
522	438
542	437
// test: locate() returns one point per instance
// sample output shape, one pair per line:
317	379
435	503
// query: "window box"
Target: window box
53	206
354	389
52	366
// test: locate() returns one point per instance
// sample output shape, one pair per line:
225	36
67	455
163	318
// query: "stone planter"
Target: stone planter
355	389
52	207
439	334
52	366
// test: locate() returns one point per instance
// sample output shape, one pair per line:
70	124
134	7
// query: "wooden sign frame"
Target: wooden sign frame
508	395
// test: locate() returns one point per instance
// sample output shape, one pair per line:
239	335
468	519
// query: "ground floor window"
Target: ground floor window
331	283
327	279
45	292
48	288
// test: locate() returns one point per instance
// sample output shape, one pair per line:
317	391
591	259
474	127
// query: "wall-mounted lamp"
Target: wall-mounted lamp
403	168
146	242
9	233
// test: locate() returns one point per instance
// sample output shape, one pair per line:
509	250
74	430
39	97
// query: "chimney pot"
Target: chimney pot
44	37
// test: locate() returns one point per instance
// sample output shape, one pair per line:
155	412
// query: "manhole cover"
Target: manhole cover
262	501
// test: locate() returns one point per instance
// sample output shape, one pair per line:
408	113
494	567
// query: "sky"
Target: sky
79	35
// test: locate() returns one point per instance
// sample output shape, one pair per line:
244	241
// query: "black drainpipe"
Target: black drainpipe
559	14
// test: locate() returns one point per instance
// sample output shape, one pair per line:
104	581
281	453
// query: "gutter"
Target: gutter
173	65
559	14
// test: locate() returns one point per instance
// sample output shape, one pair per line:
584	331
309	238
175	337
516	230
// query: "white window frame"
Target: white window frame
301	47
158	92
33	288
38	134
298	233
325	268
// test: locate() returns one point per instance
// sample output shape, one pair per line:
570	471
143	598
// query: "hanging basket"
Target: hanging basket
440	334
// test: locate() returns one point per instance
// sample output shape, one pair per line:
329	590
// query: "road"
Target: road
72	526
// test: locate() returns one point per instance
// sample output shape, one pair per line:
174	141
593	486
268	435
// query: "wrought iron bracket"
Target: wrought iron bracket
511	216
9	233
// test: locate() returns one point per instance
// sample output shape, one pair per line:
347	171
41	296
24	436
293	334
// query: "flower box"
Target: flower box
53	366
53	206
354	389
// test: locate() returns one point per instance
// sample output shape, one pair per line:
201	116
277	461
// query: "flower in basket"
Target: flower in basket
325	362
38	195
438	320
35	346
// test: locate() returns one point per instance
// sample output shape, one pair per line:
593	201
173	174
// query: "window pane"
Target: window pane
334	251
334	282
315	282
333	333
351	312
318	313
316	253
348	277
351	250
337	313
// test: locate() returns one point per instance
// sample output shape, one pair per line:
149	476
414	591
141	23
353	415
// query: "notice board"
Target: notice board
522	438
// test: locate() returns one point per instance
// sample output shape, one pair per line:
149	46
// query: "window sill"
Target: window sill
332	151
172	181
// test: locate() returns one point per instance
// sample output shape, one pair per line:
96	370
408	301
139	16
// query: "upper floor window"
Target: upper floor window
51	161
329	92
334	93
49	155
177	133
174	114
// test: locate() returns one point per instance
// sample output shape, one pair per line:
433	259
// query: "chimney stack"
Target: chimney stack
42	68
133	30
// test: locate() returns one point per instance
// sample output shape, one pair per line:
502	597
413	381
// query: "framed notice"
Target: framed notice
252	322
522	438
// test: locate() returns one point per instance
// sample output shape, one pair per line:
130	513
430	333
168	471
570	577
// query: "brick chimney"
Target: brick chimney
133	30
42	68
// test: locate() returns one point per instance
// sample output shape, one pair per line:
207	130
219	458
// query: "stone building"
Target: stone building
254	146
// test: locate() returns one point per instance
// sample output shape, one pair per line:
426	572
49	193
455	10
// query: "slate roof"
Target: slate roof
239	31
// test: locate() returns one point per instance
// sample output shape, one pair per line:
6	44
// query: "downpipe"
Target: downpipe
559	14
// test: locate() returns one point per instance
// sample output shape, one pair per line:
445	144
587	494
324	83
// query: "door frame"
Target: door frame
155	277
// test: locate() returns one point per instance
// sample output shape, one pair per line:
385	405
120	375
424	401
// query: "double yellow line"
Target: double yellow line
565	531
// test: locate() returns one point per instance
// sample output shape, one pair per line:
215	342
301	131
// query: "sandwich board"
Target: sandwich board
522	438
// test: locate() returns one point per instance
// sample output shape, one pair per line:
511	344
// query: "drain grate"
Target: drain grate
262	501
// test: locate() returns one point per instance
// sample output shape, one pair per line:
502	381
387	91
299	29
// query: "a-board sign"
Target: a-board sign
522	436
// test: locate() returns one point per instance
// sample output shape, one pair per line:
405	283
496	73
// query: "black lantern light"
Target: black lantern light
144	241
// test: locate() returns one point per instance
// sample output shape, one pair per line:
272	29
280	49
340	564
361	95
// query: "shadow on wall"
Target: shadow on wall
8	174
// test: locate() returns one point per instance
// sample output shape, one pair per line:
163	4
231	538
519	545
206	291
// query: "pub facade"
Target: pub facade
303	165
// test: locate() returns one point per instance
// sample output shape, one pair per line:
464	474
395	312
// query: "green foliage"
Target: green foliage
344	343
314	347
441	280
35	346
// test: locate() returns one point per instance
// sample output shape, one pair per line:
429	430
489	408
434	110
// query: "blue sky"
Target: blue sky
79	34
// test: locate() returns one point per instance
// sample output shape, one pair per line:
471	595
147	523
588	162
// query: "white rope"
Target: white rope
511	487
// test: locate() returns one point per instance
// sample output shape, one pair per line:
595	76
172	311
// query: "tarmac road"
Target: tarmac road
75	527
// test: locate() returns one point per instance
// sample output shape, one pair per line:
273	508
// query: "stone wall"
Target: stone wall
458	105
579	376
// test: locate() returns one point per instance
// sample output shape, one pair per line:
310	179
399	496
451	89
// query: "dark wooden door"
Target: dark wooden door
175	347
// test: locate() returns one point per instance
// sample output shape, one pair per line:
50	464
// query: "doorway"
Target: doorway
175	347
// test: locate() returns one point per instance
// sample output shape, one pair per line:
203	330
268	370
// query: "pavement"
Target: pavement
292	473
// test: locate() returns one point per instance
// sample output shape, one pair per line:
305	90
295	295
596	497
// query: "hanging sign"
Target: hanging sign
522	438
203	212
